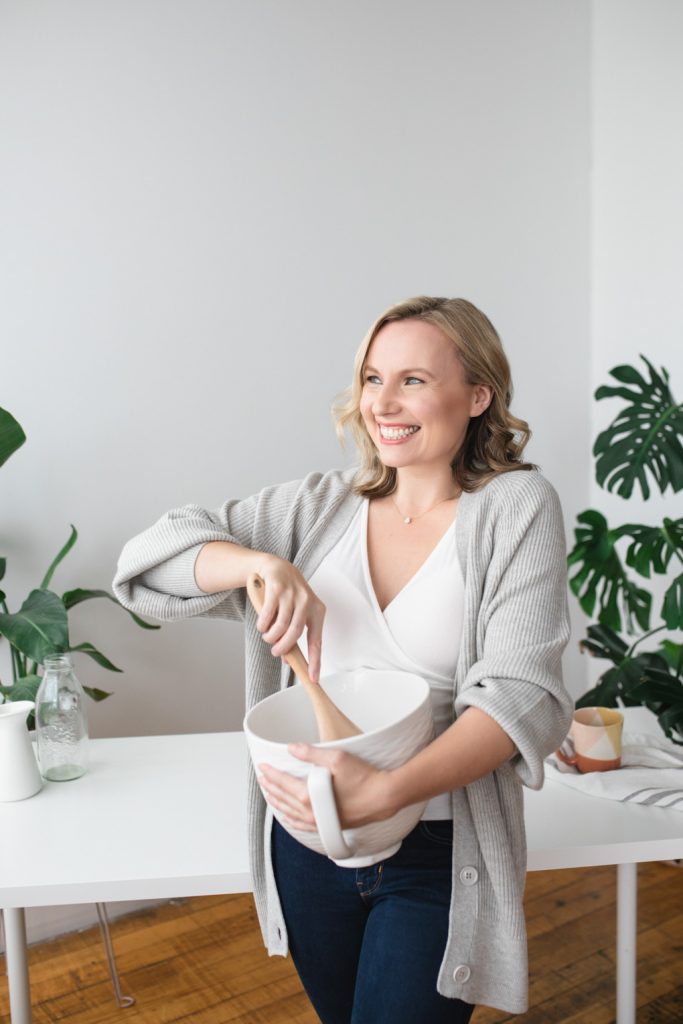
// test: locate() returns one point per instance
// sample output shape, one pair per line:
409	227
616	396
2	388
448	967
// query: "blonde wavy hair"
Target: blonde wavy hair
494	441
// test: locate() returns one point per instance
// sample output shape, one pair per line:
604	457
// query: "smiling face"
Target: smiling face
415	403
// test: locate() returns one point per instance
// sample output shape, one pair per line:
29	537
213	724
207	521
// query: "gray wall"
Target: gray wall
637	232
204	206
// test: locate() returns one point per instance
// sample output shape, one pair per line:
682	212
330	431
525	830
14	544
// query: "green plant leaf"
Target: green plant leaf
3	566
672	652
74	597
643	438
642	679
605	693
12	435
652	547
65	550
25	688
95	693
91	651
601	577
603	642
671	722
672	605
39	628
663	690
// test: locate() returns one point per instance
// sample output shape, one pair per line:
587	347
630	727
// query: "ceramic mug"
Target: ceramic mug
394	711
595	738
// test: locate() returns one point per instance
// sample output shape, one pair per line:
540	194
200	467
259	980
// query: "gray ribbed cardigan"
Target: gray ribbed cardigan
511	547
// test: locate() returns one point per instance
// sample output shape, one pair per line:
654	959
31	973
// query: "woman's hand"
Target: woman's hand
290	606
362	792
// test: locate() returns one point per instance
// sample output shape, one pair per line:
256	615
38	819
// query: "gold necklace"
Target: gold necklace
409	519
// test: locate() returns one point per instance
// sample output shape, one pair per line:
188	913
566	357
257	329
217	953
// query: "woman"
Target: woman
442	554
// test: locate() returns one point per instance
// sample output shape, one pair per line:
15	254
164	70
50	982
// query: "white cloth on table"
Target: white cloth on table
651	767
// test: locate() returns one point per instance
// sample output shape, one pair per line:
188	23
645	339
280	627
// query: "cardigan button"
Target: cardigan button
461	973
469	875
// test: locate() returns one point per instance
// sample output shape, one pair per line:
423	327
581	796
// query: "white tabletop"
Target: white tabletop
163	816
154	817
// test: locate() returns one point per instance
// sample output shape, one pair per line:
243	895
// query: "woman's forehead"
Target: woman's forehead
409	344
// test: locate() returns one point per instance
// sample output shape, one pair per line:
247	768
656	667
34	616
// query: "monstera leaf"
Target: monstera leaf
602	578
652	547
650	678
645	436
12	435
672	606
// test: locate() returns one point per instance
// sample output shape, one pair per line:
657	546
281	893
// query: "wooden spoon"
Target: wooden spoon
332	723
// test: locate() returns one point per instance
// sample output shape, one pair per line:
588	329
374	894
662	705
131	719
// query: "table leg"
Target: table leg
627	899
17	965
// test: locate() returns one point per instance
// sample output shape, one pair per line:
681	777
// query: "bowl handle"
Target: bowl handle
325	810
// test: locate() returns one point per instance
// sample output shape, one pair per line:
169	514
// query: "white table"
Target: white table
165	816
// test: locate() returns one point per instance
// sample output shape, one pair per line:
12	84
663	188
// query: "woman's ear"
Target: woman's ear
482	396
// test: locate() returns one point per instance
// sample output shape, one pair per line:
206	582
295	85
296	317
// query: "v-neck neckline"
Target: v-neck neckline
366	559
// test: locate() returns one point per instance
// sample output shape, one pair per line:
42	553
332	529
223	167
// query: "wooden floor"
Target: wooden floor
201	960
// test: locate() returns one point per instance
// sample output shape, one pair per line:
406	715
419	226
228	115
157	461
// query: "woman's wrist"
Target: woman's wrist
472	747
389	794
262	561
224	565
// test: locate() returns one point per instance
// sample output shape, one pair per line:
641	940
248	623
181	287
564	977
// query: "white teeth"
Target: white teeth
392	434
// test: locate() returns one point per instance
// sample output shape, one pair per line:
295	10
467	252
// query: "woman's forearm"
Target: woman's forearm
222	565
470	748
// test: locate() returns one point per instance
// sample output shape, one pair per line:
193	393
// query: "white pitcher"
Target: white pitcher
19	773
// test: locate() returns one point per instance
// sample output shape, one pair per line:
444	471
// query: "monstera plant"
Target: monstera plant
41	626
642	444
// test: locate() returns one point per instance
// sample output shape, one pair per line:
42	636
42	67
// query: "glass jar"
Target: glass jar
61	723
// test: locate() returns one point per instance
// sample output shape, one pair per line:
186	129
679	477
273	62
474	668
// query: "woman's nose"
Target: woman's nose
385	401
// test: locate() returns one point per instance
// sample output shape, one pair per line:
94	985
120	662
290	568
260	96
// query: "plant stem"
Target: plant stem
643	637
16	666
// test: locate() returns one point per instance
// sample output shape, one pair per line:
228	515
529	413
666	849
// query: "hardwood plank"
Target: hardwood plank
202	961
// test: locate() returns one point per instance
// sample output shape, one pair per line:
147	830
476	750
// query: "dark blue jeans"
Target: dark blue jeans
368	943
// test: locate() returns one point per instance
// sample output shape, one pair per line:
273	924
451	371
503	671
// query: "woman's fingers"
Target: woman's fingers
289	795
285	608
296	627
289	607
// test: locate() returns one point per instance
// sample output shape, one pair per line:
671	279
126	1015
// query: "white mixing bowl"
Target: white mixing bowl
394	711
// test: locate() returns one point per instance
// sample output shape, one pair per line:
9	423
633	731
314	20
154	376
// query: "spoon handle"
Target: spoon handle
332	723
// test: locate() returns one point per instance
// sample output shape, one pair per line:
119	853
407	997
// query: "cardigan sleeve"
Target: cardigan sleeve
525	622
155	570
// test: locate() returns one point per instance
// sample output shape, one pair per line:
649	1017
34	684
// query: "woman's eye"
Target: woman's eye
372	377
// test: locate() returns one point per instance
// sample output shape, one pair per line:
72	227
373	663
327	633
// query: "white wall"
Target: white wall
637	237
204	205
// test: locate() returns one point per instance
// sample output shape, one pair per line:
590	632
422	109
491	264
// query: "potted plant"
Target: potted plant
41	625
642	444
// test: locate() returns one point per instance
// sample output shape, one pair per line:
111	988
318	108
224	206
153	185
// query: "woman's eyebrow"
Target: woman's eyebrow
409	369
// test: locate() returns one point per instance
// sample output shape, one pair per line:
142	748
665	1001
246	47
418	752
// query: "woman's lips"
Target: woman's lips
398	440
